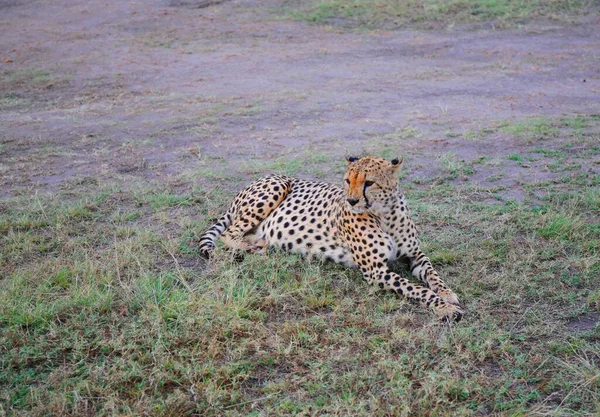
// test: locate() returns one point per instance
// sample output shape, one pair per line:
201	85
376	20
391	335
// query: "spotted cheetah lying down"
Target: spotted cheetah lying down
365	225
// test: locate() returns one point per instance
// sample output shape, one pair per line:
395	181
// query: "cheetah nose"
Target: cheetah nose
352	201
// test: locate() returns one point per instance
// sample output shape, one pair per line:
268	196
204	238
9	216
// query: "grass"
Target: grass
106	309
515	157
313	164
28	80
431	13
22	76
452	167
535	128
22	88
11	101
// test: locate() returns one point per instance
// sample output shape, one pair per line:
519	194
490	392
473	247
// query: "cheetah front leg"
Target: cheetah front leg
421	268
389	280
375	270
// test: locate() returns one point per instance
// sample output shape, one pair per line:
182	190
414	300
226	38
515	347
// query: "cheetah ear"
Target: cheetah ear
396	162
350	159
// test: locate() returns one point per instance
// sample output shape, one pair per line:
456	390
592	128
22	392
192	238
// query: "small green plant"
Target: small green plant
515	157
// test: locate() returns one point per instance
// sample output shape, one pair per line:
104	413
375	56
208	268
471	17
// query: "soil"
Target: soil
584	323
108	90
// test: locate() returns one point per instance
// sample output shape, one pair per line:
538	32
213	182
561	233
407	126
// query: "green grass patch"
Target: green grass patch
11	101
315	164
27	76
162	200
561	226
395	14
536	128
452	167
551	153
515	157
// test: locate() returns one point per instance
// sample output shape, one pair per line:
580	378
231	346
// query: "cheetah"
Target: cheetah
363	225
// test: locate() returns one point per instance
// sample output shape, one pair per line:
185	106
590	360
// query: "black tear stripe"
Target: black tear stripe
367	204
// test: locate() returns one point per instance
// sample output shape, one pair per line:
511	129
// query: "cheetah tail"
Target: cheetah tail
208	239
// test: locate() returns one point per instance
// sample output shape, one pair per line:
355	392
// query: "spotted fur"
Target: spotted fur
365	225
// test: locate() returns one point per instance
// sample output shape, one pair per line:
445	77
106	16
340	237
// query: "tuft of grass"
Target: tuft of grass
567	226
576	122
515	157
452	167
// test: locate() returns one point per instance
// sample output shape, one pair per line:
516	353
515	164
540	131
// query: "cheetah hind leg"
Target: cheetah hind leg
253	205
257	244
249	243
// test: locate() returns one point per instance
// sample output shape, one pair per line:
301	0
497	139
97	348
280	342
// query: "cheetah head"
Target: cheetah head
369	181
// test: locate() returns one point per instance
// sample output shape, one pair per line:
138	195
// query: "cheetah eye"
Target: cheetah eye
369	183
347	181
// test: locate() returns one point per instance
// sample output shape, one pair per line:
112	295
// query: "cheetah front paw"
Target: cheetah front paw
448	295
449	313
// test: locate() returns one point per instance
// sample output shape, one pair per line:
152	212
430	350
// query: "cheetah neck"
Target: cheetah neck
392	211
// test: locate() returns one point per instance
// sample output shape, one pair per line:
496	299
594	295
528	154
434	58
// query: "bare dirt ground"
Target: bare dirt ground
115	91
